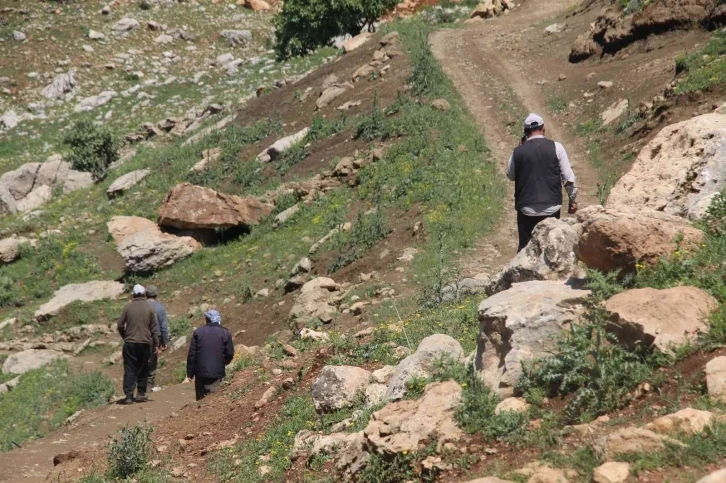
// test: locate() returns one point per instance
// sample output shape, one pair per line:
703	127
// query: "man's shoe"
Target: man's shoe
126	401
141	398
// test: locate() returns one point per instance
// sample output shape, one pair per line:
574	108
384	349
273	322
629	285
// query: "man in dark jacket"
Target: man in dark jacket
539	168
137	327
162	324
210	351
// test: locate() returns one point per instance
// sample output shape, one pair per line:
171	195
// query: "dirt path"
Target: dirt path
35	460
486	75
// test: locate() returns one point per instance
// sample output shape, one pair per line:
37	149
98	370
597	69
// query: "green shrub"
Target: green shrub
395	469
93	148
427	76
304	25
374	125
715	219
367	231
705	68
129	453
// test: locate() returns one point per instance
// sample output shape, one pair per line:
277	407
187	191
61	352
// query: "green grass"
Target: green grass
703	69
557	104
45	398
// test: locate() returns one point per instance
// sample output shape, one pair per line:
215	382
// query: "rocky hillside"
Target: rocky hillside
347	214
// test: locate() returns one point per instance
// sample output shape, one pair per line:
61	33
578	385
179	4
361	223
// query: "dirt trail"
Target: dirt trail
482	72
35	460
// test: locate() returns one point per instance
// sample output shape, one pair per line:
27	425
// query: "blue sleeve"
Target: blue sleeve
163	325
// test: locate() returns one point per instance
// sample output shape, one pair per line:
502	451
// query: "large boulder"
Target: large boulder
338	387
716	378
522	324
630	440
686	421
550	255
192	207
127	181
401	426
420	364
28	360
329	95
10	247
144	247
659	319
317	301
35	199
679	171
611	472
83	292
619	237
256	5
62	85
355	42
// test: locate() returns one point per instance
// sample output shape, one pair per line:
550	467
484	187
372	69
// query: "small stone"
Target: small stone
605	84
561	77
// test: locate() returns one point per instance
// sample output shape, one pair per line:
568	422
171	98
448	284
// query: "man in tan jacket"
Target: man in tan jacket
137	326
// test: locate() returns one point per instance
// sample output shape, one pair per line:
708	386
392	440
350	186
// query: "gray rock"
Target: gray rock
164	39
83	292
92	102
19	36
237	37
93	35
521	324
10	249
28	360
550	255
282	145
9	120
62	84
337	387
125	24
329	95
9	385
420	363
35	199
126	181
179	343
286	215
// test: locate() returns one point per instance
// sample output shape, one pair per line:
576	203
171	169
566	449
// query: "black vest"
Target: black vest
537	176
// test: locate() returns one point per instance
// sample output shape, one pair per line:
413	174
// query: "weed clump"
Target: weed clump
93	148
129	453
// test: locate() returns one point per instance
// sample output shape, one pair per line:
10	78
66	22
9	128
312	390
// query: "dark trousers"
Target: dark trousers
136	367
526	224
205	385
153	365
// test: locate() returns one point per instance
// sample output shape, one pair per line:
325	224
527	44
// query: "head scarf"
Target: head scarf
139	290
213	317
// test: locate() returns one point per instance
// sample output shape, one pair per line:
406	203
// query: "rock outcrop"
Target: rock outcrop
420	364
318	300
282	145
191	207
521	324
550	255
611	472
78	292
686	421
630	440
619	237
10	248
716	378
28	360
127	181
679	171
144	247
339	387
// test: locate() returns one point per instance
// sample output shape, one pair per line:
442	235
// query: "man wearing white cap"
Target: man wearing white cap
539	168
137	326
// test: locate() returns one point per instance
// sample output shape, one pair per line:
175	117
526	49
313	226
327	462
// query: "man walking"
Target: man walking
137	327
210	351
162	325
539	168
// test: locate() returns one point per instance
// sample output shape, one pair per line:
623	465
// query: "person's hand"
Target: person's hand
157	351
163	348
572	209
188	380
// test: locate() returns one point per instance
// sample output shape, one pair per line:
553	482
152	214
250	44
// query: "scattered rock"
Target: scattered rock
10	248
604	84
441	105
92	102
19	36
144	247
489	9
126	181
337	387
282	145
515	404
266	397
659	319
93	35
317	336
613	113
192	207
521	324
28	360
83	292
420	363
62	85
716	378
619	237
715	477
237	37
550	255
611	472
318	300
555	28
353	43
687	421
679	171
630	440
256	5
401	426
125	24
329	95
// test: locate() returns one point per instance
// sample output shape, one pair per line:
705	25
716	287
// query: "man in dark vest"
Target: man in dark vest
539	168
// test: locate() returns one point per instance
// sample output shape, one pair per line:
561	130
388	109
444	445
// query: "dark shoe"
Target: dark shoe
141	398
126	401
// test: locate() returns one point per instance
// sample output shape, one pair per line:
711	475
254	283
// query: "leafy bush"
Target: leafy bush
373	126
715	219
705	68
129	453
304	25
368	229
93	148
388	470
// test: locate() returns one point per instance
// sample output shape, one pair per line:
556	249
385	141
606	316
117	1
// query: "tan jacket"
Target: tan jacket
138	323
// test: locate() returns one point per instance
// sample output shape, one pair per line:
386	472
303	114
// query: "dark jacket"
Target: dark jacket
162	321
538	179
138	323
211	349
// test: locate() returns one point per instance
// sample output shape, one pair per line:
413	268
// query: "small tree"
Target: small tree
93	148
304	25
129	453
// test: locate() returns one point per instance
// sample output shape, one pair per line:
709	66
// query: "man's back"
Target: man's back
161	320
138	323
537	174
210	351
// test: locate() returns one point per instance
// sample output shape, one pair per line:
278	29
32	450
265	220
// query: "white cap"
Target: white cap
533	121
139	289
